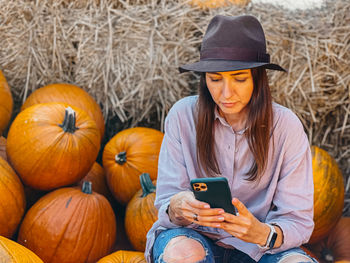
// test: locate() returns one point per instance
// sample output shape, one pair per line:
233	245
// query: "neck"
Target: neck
237	120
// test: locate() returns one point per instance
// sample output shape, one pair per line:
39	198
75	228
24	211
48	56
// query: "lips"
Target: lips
229	104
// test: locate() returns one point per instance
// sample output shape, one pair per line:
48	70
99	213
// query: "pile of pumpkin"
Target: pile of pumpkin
52	146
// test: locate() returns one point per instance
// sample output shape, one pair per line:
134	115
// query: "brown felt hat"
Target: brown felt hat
232	43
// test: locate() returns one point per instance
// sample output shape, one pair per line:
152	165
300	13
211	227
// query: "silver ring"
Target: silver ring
195	217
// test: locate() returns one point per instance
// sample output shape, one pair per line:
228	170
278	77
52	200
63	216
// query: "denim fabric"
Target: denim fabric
215	253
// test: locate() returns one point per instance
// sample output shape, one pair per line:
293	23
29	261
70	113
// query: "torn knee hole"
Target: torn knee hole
295	259
183	249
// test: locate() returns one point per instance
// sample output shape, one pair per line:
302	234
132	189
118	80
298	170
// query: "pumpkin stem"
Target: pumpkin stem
68	124
146	184
120	158
86	188
327	255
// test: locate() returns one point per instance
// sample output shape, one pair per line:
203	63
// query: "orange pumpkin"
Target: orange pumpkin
12	252
70	94
141	213
69	225
128	154
12	200
98	180
52	145
336	246
3	148
124	256
206	4
328	193
6	103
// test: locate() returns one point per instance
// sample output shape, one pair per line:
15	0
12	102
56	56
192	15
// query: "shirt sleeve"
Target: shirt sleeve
293	200
172	174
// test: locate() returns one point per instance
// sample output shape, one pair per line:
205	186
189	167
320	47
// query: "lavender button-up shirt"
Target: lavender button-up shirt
283	196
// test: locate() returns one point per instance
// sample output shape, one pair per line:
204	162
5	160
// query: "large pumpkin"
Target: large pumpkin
124	256
69	225
336	246
141	213
328	193
205	4
52	145
70	94
3	148
98	180
128	154
12	200
12	252
6	103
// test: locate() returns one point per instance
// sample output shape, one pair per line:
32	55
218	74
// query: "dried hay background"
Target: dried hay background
126	54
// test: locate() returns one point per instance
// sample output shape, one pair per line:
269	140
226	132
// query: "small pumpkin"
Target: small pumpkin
12	200
52	145
128	154
70	94
328	193
12	252
336	246
3	148
6	103
208	4
124	256
69	225
141	213
98	180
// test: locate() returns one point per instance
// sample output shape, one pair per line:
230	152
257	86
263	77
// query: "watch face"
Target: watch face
273	240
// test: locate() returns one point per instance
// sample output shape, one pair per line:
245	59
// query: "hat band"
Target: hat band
239	54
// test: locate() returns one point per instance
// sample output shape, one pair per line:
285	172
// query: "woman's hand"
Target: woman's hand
245	225
184	209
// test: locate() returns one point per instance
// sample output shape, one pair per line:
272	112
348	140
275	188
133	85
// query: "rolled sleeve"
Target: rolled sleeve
293	199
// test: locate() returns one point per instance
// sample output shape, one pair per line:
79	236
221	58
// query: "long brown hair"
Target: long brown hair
259	123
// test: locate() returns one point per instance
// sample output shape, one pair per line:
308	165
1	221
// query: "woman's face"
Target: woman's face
230	90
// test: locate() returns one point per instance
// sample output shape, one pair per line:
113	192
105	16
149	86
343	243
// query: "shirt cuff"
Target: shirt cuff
291	237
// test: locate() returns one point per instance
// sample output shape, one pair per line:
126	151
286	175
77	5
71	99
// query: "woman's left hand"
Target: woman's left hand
245	225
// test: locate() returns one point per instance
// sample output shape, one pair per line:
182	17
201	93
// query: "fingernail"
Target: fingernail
221	211
217	225
221	218
206	206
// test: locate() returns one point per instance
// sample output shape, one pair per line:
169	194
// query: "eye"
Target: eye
214	79
241	80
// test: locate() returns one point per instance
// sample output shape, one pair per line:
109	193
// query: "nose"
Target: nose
228	89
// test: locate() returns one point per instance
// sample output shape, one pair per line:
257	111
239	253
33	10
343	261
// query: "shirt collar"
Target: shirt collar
225	123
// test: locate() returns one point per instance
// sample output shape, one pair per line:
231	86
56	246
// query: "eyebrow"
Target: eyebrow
233	74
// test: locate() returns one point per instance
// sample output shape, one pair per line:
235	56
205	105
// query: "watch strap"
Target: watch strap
271	239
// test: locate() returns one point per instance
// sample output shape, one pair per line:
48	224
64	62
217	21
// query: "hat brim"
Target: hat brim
214	65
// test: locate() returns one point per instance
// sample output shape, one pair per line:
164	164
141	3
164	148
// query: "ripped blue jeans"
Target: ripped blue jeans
215	253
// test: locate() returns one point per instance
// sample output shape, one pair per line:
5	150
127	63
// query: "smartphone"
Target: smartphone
214	191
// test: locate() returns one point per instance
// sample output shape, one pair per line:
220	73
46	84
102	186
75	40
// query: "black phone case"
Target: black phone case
217	193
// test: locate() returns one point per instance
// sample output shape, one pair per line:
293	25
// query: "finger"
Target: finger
198	204
207	213
242	210
230	218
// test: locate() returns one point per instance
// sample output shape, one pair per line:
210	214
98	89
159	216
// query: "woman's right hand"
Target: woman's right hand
184	209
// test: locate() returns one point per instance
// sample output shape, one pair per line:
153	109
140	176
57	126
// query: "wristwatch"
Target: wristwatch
271	239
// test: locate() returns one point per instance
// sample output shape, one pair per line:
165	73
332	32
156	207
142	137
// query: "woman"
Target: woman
232	129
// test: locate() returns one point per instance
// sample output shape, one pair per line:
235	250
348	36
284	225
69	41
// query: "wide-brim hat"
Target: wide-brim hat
232	43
